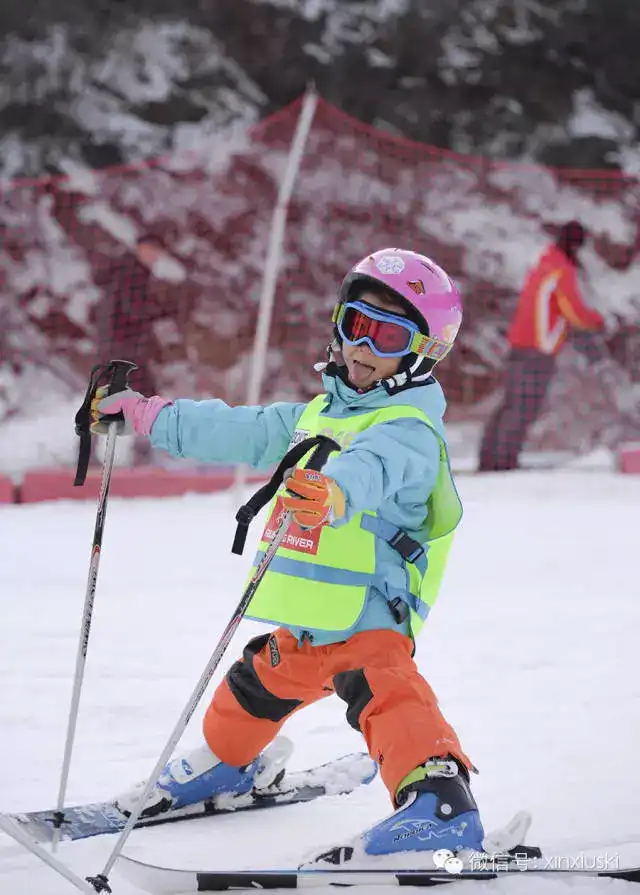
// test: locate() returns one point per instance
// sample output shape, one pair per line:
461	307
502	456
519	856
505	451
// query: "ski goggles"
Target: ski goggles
387	335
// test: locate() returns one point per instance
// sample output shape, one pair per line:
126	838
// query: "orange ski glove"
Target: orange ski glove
313	498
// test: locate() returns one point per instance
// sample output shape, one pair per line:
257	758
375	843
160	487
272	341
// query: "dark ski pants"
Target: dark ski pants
373	672
528	375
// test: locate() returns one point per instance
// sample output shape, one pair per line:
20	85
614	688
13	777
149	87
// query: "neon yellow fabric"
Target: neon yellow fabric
321	580
420	773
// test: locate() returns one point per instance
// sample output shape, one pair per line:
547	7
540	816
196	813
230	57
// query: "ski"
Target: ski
166	881
337	777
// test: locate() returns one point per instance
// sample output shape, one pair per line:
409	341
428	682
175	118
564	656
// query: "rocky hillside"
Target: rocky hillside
109	82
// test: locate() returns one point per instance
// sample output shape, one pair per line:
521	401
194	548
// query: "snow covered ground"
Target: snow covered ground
532	650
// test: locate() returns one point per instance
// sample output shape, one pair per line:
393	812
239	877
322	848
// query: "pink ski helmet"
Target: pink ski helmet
421	286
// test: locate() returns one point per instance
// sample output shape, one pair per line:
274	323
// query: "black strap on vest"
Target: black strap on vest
246	514
408	548
115	375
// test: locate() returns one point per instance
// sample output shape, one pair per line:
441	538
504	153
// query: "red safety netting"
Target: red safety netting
71	293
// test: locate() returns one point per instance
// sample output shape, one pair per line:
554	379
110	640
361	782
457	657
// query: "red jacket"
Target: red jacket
550	302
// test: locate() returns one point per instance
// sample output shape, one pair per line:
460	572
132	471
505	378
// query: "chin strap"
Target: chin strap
414	373
419	372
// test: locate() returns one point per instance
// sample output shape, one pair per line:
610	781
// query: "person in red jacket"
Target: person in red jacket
550	304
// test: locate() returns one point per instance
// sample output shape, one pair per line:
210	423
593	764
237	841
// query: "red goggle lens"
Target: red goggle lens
386	336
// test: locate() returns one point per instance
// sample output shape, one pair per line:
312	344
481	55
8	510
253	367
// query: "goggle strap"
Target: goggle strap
417	343
427	346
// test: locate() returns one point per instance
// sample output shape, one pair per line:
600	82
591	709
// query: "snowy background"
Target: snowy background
485	222
531	648
552	81
129	118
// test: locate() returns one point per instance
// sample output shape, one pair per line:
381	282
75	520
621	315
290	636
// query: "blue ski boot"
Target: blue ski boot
199	775
436	811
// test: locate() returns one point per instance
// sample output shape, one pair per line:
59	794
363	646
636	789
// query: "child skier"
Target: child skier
351	595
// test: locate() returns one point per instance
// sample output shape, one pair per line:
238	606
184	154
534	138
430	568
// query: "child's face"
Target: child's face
364	367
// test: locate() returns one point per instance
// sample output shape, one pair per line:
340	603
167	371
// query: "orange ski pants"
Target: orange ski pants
373	672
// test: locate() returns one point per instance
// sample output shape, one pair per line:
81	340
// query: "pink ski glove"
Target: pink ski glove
139	412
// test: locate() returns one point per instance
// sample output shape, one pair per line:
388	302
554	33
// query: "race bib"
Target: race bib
303	540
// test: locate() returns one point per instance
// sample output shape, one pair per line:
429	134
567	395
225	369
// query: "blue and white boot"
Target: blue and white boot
436	811
199	775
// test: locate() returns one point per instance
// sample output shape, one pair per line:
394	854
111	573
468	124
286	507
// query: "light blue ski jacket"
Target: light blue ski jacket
390	467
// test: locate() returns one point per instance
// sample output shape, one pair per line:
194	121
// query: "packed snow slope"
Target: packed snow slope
532	649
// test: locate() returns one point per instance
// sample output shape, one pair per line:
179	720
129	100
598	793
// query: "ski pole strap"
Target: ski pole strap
246	514
116	374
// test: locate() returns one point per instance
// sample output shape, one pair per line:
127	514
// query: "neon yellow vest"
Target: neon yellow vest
319	579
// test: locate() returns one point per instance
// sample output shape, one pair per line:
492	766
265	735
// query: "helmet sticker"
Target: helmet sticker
390	264
417	286
450	331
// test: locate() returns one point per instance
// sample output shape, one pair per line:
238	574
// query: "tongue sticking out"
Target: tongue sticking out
360	374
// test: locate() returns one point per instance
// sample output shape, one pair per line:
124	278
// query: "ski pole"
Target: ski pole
118	373
12	829
324	446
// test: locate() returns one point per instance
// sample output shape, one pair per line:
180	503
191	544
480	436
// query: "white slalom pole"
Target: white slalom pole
274	256
12	829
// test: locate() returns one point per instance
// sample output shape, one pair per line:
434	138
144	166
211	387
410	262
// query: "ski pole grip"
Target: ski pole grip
120	376
118	373
119	370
